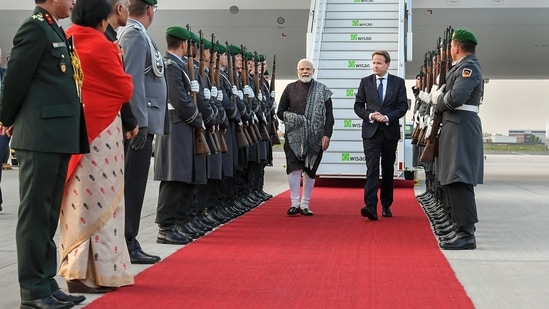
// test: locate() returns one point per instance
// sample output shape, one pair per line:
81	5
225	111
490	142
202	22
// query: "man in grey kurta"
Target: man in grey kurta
460	162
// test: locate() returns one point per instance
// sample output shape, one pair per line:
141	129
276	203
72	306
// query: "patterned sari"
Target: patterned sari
92	244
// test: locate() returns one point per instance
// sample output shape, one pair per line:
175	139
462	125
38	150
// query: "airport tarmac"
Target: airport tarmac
509	269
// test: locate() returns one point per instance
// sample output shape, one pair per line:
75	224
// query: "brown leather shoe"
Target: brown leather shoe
77	286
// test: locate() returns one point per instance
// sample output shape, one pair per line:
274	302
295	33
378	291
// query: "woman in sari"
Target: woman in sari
93	253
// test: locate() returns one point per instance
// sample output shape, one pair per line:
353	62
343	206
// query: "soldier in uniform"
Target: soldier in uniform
229	204
460	162
207	195
175	153
42	111
143	61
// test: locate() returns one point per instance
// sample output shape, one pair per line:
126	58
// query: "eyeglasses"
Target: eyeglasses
155	7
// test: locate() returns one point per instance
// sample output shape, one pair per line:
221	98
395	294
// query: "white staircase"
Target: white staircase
343	35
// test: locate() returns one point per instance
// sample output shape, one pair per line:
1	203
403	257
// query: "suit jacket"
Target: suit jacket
149	99
39	96
394	105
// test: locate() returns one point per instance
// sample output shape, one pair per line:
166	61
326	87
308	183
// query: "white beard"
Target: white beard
306	79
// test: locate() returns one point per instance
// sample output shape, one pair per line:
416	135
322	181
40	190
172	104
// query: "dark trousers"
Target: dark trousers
4	154
174	202
207	195
227	191
41	185
255	173
460	197
136	173
376	148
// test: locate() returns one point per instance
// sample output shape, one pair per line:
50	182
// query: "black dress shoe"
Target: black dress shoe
460	243
62	296
386	212
306	212
293	211
140	257
77	286
369	212
171	236
48	302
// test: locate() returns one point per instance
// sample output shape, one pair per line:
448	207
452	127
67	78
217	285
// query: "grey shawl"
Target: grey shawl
304	132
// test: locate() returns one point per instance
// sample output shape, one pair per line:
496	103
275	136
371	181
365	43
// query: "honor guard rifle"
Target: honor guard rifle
241	139
201	146
213	72
211	139
431	147
252	128
274	131
264	133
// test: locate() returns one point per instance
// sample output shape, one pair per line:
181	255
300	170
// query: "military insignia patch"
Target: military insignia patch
466	73
38	16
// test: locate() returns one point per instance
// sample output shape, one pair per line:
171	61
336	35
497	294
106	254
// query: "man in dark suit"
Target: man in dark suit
143	61
41	109
381	101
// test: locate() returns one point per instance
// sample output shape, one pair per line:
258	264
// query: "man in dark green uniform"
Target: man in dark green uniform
40	107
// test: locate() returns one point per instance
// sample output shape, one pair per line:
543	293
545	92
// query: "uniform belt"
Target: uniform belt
170	107
469	108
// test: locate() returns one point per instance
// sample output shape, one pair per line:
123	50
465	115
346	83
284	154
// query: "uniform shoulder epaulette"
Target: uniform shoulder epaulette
41	17
168	62
38	16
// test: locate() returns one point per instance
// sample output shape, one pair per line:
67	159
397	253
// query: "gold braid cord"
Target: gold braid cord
78	75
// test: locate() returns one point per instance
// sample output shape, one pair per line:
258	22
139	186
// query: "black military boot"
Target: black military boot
465	240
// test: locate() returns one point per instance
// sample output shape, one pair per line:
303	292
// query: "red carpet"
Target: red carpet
335	259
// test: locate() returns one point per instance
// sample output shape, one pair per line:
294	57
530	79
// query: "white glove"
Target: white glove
220	96
194	86
255	118
214	92
207	93
260	96
273	94
248	90
234	90
425	96
275	105
240	95
203	126
428	132
437	93
424	121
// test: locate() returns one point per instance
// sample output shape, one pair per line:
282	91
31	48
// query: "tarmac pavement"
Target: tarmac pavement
509	269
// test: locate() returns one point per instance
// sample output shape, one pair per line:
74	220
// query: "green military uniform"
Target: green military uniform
40	99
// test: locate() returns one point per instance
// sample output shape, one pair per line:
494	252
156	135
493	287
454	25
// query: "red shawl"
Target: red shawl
106	86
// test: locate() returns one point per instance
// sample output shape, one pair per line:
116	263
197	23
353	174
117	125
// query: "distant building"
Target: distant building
524	136
502	139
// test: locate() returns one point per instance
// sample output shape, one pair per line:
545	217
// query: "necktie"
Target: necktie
380	89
